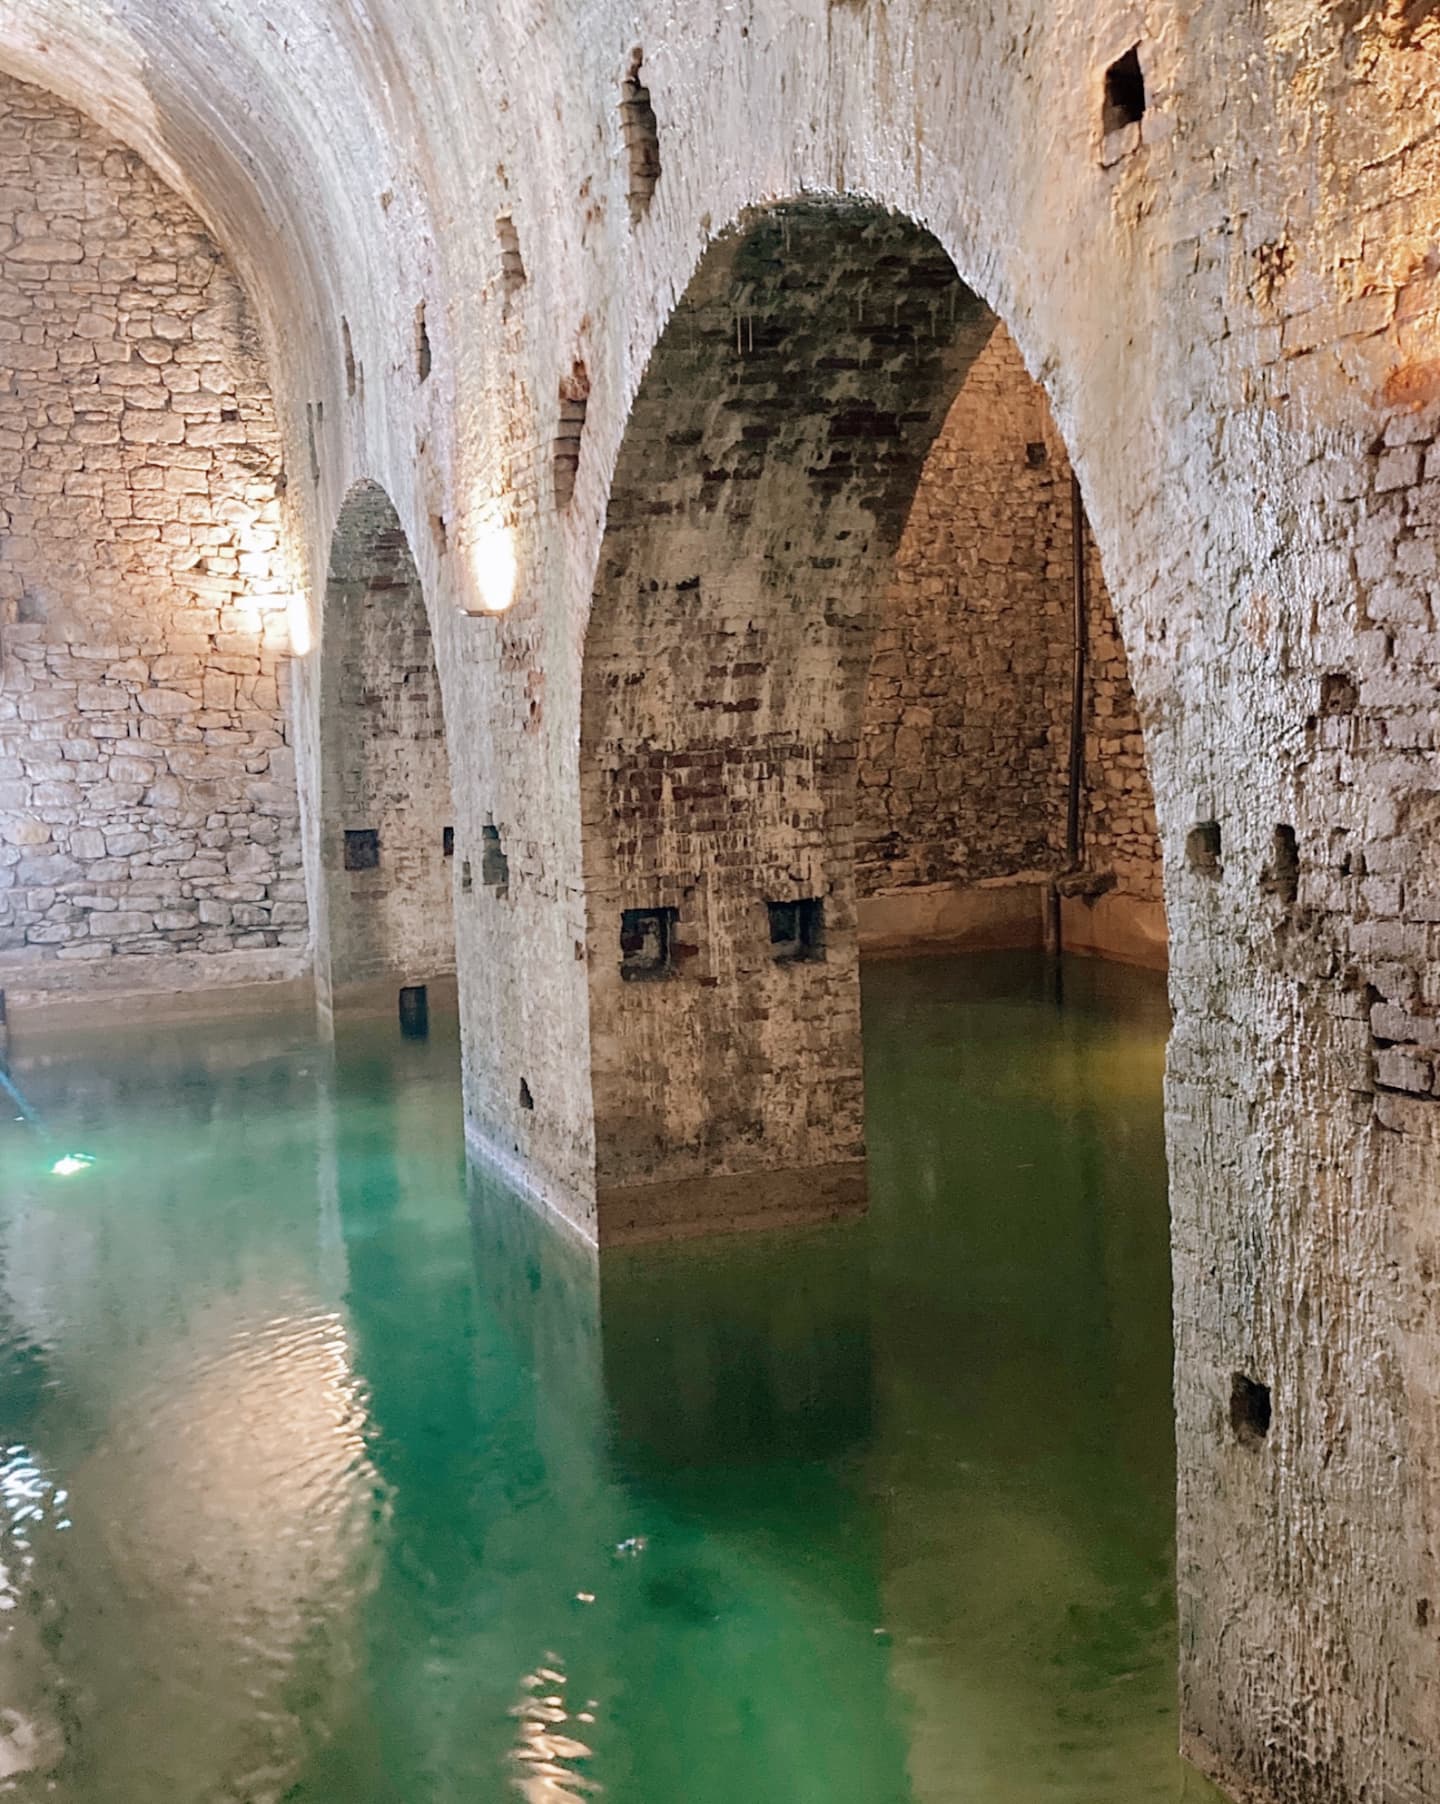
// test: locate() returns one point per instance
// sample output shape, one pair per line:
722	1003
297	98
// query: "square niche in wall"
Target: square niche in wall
797	929
362	848
647	942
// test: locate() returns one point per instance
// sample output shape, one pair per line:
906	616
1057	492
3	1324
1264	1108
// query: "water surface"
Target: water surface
327	1475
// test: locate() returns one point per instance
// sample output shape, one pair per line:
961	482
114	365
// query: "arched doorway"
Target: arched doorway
386	838
763	487
1003	798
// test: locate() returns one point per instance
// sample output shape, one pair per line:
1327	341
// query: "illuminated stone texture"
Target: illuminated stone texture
1233	307
147	786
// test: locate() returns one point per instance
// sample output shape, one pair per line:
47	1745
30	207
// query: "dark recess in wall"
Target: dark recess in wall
1124	92
641	132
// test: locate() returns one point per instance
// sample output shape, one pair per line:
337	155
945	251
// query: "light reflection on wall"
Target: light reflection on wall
494	565
302	632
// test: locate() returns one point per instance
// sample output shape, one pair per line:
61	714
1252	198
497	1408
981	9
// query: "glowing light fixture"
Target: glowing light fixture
69	1163
302	636
492	560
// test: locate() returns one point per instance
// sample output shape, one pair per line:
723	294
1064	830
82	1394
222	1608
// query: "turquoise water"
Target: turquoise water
326	1475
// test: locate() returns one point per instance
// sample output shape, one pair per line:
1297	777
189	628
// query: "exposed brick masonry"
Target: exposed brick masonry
770	463
967	709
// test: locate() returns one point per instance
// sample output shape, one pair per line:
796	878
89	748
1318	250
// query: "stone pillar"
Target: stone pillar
769	464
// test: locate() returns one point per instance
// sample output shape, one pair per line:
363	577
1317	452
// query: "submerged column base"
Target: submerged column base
687	1208
378	998
1236	1786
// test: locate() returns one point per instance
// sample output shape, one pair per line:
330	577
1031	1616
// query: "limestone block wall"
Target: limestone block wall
148	804
964	759
1118	830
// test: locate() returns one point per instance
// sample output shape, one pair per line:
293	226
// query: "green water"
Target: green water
327	1475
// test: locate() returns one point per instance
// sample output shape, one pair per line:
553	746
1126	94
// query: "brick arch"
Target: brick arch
762	488
386	858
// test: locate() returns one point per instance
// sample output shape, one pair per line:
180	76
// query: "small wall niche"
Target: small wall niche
1281	877
422	345
1249	1409
641	132
512	264
1124	93
647	942
527	1101
467	881
1339	693
574	400
348	350
494	865
1202	848
362	848
797	930
447	842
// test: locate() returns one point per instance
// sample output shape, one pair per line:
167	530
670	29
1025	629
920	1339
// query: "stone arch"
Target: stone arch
964	822
762	488
386	835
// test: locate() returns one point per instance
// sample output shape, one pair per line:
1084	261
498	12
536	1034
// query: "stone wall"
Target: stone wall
965	755
772	457
387	834
147	792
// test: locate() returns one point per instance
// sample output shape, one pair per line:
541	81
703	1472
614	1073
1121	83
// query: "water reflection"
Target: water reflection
30	1503
1024	1471
198	1396
547	1763
380	1492
739	1353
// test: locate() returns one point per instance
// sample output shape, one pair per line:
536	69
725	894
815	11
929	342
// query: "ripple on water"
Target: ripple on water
31	1503
543	1759
234	1500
